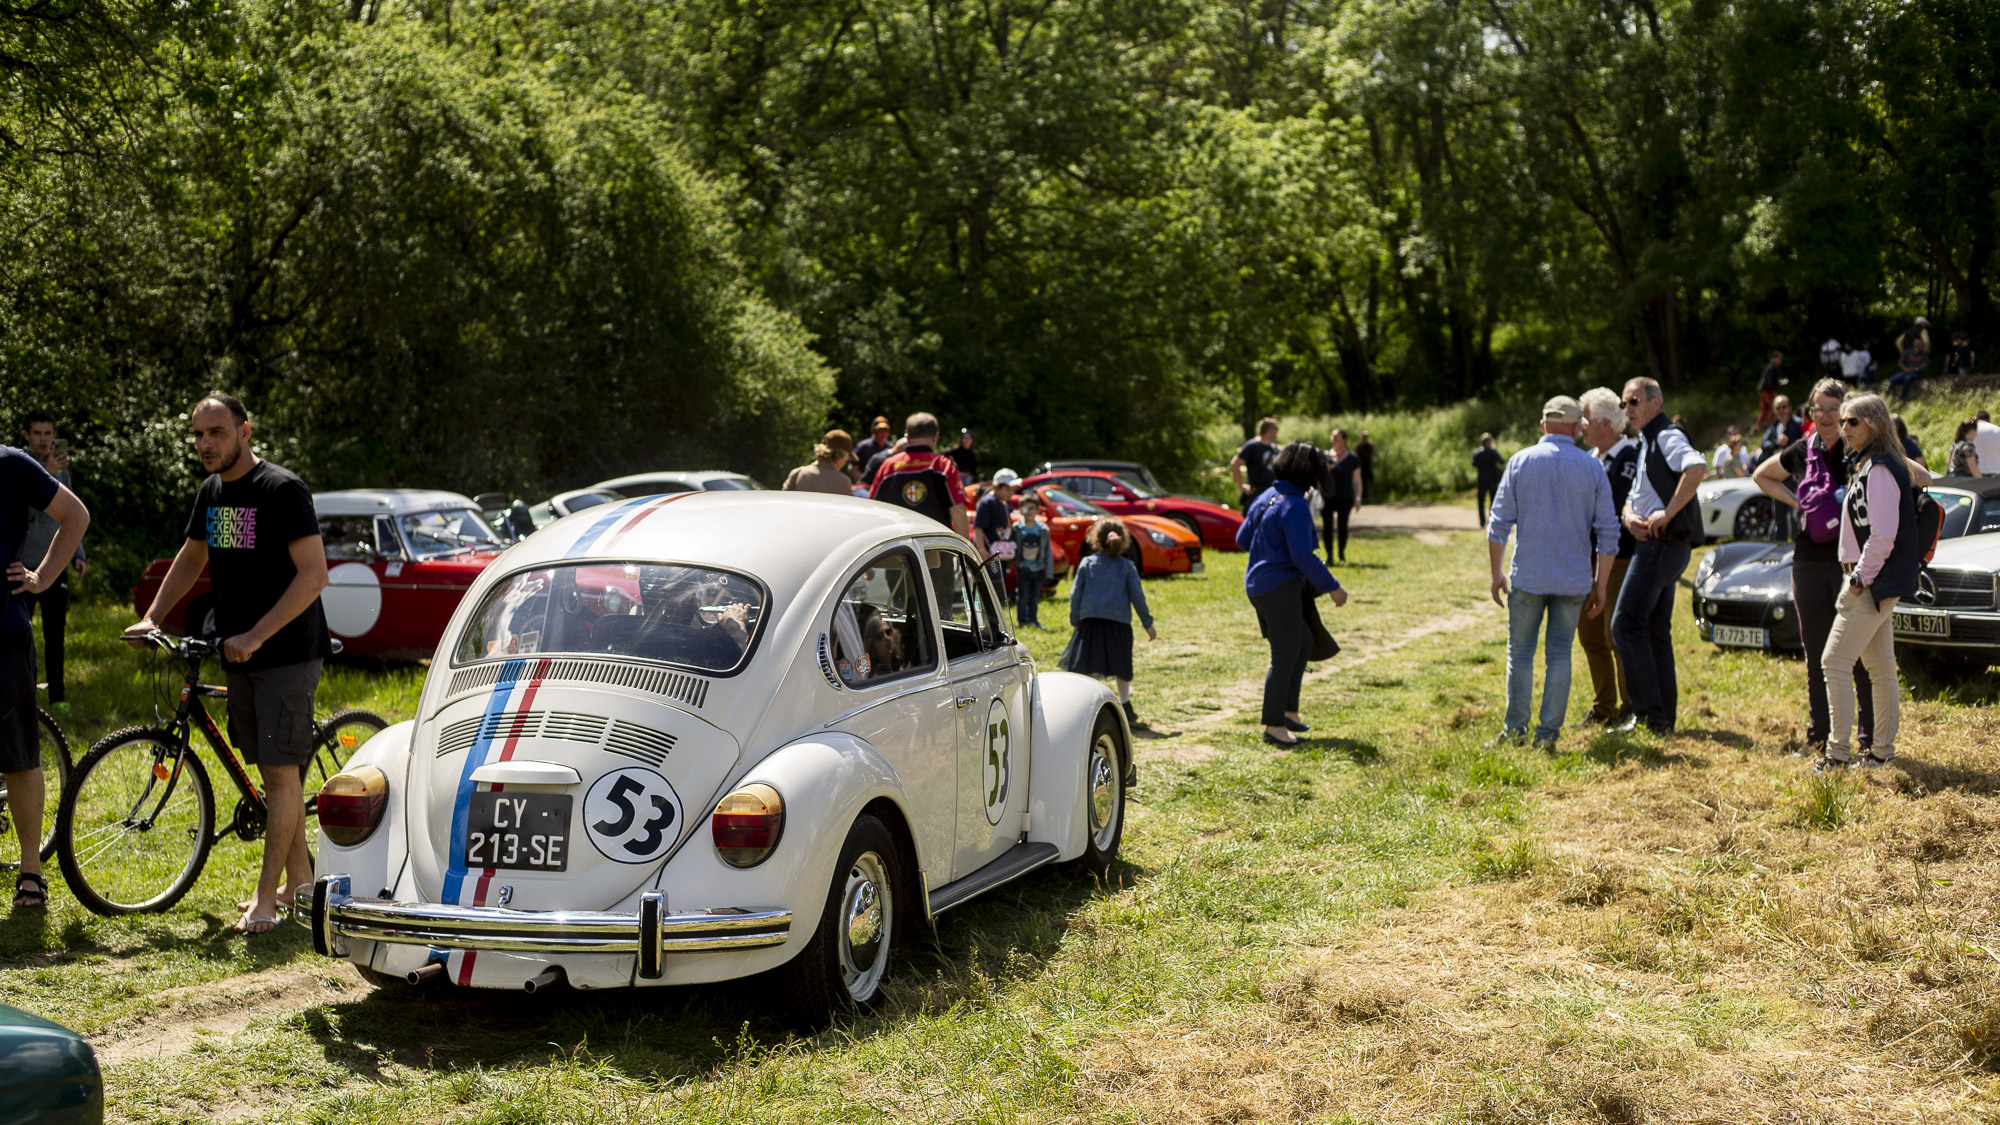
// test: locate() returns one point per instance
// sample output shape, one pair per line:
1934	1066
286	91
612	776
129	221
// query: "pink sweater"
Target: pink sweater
1885	515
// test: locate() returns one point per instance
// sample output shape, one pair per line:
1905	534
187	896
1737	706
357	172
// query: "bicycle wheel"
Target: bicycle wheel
335	741
55	775
136	823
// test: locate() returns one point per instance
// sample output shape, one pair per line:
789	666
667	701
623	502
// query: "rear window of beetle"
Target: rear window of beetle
694	617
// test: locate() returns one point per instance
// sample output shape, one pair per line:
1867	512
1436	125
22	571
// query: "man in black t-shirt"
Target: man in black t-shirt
25	486
1251	467
254	528
1767	388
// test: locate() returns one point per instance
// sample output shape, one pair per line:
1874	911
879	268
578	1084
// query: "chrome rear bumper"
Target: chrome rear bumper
333	914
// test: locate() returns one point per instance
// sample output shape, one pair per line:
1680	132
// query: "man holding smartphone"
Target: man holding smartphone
40	429
254	528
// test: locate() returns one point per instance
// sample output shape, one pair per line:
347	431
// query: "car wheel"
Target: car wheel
842	969
1757	519
1103	795
1188	522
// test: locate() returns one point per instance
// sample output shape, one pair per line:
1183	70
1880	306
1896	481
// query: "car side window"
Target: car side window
1989	515
951	579
985	607
388	544
881	630
348	538
1092	488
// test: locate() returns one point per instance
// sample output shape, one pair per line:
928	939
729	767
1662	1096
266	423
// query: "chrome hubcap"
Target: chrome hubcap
1104	802
865	911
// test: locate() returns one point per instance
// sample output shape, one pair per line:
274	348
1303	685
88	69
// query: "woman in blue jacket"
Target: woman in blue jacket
1278	532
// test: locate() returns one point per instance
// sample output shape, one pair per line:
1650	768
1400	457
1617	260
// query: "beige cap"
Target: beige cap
1562	408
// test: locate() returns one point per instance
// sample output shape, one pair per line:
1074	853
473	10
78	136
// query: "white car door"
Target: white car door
989	682
884	651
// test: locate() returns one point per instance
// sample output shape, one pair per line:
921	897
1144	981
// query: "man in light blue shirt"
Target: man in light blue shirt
1560	499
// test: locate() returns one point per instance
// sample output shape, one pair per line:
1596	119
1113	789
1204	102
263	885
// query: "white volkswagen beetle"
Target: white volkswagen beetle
693	737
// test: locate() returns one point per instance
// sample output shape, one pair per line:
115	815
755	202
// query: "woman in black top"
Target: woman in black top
1963	461
1341	490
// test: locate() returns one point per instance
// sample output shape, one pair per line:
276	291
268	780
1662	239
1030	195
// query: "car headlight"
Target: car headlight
1777	613
1702	572
351	804
747	824
1160	538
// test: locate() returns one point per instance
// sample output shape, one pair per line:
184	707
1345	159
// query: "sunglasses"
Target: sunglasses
1850	421
1632	402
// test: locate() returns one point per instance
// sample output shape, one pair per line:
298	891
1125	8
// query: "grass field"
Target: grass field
1392	923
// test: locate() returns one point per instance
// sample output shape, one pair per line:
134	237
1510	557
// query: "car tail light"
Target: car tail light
352	803
747	825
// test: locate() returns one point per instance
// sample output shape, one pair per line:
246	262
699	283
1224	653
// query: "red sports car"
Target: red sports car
1213	523
398	561
1159	545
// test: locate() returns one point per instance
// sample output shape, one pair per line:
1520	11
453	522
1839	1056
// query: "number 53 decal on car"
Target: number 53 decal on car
632	815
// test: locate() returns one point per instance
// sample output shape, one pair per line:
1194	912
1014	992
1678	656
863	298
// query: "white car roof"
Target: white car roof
691	479
779	538
387	501
1969	552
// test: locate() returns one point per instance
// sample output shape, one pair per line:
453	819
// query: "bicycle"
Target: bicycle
55	777
137	819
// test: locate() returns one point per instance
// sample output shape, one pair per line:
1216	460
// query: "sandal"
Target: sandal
255	927
27	897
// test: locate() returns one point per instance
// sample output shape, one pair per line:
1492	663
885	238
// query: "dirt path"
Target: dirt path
223	1008
1416	518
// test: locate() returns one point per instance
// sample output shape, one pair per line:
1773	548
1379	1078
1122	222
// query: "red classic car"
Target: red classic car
398	561
1213	523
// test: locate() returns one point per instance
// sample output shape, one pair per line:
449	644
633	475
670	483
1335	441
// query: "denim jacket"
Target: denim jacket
1108	587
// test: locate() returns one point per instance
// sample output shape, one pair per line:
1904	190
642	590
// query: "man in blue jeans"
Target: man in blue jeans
1662	515
1560	499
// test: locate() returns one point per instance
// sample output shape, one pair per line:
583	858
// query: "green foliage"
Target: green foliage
415	269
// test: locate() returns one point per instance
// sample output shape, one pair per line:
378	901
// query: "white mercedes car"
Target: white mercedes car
698	736
1952	623
1738	509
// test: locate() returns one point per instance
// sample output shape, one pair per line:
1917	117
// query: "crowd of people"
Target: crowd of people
1603	515
910	473
1854	365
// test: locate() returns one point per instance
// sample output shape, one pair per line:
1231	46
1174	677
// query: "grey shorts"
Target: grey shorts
271	713
20	741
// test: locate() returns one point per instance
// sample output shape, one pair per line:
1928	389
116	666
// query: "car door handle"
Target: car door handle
965	701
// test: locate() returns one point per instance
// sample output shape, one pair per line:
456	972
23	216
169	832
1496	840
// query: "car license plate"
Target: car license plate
1198	568
1741	637
519	831
1923	624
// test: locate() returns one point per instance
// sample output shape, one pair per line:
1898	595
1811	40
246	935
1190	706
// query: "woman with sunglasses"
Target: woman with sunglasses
1880	552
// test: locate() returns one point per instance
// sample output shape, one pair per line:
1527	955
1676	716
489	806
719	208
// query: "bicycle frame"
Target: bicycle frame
190	715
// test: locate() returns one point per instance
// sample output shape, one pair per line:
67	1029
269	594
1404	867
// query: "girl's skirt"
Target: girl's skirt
1100	647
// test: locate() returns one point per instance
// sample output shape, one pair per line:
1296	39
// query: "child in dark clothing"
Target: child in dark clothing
1034	563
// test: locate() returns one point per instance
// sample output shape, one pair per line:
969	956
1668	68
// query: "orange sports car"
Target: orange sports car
1164	545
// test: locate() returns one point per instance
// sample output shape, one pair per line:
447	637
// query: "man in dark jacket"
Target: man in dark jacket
1767	388
1785	428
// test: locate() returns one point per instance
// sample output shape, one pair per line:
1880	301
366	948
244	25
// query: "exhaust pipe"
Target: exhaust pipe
425	974
546	978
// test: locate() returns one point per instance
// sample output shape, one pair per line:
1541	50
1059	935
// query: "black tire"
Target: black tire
112	864
335	741
831	977
1189	523
1757	519
55	775
1104	795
